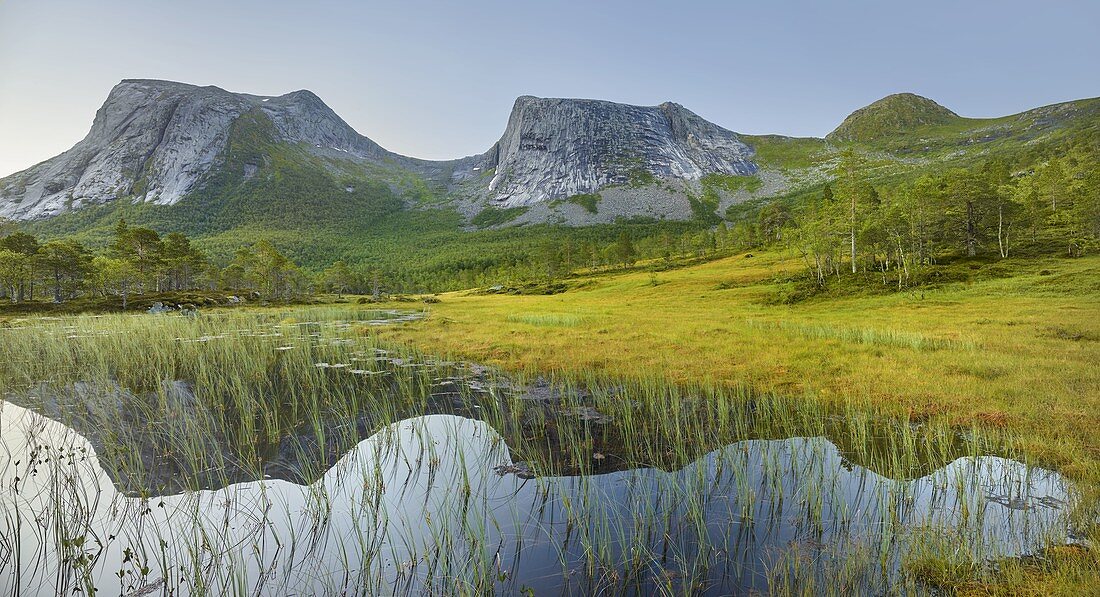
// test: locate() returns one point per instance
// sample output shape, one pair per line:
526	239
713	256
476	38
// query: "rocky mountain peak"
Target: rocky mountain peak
303	117
158	141
554	148
150	139
155	141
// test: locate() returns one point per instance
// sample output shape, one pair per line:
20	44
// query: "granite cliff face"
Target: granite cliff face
556	148
158	141
165	134
155	141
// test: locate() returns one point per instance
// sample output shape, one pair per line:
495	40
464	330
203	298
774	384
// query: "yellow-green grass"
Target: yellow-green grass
256	380
1017	353
1022	352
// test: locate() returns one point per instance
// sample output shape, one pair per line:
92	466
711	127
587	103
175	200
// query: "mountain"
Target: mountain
555	148
235	159
228	169
892	115
159	142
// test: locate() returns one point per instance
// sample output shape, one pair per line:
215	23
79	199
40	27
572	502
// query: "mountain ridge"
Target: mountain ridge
158	142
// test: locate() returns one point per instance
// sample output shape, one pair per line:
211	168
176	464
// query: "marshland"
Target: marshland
305	450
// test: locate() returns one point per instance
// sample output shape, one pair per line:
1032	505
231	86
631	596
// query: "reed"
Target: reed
190	410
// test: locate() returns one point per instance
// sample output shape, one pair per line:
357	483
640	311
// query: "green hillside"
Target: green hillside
892	115
319	210
905	137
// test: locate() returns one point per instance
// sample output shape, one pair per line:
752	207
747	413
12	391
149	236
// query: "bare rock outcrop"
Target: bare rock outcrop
159	141
556	148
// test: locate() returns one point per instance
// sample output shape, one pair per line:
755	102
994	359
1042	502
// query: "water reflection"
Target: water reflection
436	504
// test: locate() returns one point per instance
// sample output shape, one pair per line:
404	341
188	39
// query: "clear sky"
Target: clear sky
437	79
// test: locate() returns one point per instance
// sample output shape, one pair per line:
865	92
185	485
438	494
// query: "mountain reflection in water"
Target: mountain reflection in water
428	505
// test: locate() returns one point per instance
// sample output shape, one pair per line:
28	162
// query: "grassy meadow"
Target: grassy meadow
682	361
1017	349
176	404
1021	352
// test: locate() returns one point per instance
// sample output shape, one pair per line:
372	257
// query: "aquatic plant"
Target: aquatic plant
241	465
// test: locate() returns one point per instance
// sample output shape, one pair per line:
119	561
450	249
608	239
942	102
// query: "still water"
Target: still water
435	504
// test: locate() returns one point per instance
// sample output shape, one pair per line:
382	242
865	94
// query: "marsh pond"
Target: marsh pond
287	453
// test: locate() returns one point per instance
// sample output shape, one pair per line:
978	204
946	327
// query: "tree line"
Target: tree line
991	210
877	228
138	260
857	225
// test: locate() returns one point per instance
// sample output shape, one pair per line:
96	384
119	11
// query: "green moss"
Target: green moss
589	201
640	177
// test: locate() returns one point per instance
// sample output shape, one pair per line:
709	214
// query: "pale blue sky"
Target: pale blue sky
437	79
